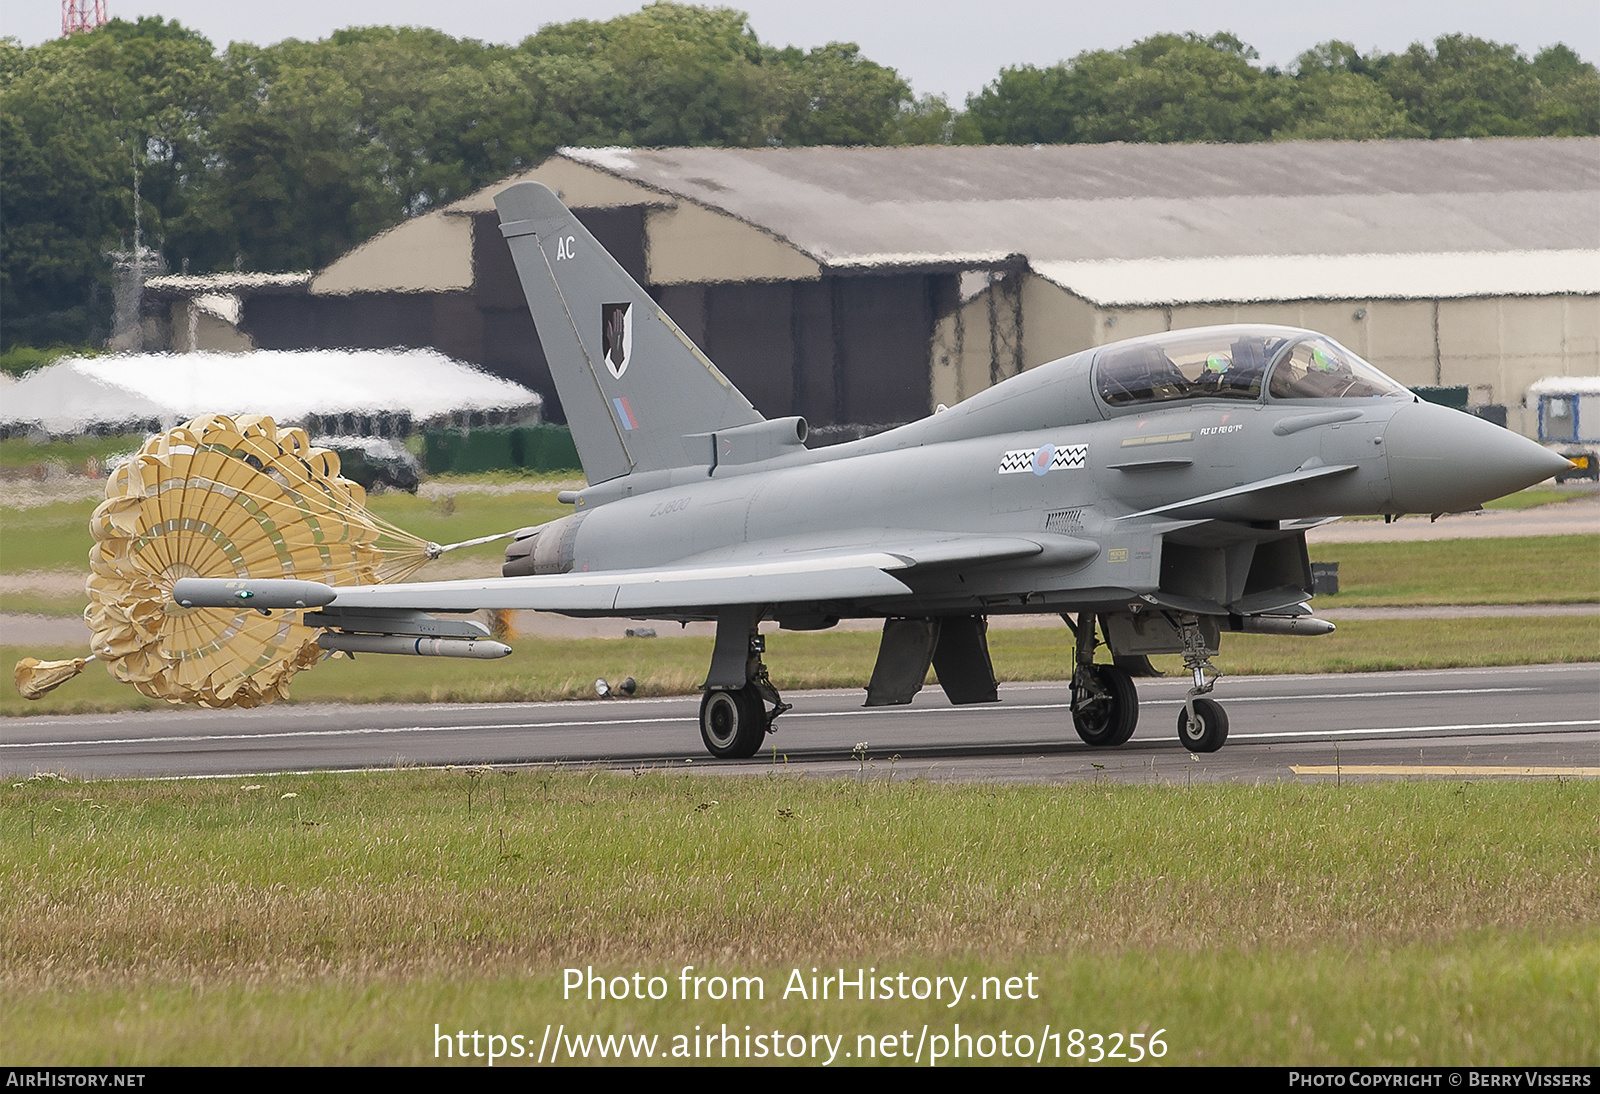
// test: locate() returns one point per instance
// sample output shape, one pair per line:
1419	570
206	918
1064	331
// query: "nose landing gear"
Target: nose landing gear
1202	723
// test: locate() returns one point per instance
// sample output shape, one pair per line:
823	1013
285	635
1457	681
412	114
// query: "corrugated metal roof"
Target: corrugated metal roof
1234	279
76	393
852	207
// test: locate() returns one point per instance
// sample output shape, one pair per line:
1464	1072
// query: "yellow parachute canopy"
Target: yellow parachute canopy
222	497
36	678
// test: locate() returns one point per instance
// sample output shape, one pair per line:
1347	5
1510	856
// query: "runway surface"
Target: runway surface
1539	721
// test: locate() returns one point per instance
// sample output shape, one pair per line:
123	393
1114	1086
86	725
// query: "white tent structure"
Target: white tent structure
346	391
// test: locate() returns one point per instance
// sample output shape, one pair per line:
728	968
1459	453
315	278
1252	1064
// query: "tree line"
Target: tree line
282	157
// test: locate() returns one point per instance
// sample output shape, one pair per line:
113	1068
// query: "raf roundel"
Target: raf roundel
1044	459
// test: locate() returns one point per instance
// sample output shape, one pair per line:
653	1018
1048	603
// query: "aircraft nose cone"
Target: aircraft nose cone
1444	461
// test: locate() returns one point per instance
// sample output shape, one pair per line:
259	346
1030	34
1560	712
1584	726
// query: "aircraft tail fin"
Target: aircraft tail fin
639	395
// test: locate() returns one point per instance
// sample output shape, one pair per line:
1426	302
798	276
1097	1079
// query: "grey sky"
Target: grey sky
941	46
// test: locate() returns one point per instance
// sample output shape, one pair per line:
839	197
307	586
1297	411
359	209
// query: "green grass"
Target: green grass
1535	496
1523	570
467	516
75	453
43	604
547	668
1495	998
46	537
21	360
512	476
337	918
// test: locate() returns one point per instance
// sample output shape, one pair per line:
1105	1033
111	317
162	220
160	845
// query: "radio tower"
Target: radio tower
79	15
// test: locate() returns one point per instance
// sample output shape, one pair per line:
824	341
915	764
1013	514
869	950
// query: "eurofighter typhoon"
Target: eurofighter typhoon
1155	493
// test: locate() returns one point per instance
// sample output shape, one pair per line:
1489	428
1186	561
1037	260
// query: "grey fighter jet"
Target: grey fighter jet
1154	492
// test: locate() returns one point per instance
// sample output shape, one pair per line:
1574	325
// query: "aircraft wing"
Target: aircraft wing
912	548
837	577
765	575
803	579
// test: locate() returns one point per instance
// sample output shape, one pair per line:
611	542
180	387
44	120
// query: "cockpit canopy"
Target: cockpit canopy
1234	363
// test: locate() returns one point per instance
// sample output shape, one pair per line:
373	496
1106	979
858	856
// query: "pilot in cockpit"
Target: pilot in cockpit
1326	377
1246	368
1223	363
1149	375
1233	373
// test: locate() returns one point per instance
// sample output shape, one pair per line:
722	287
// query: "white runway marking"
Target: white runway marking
1461	727
290	734
293	734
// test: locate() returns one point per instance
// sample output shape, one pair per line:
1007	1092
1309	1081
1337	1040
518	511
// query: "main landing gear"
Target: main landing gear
1105	705
734	717
733	723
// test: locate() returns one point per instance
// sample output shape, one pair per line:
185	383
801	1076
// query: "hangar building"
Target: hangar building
866	286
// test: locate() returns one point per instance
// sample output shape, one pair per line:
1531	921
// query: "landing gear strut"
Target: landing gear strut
734	718
1202	723
1105	704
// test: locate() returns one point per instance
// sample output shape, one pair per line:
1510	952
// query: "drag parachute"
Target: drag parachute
227	498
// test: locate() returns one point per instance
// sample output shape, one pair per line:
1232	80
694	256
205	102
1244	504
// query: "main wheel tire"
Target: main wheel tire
1109	718
1208	729
733	723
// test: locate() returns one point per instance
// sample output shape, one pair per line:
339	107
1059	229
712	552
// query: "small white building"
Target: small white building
1568	408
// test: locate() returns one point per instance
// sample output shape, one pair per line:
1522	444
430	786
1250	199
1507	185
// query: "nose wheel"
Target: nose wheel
1202	725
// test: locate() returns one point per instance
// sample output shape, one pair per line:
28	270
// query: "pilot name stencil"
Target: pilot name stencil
1044	459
